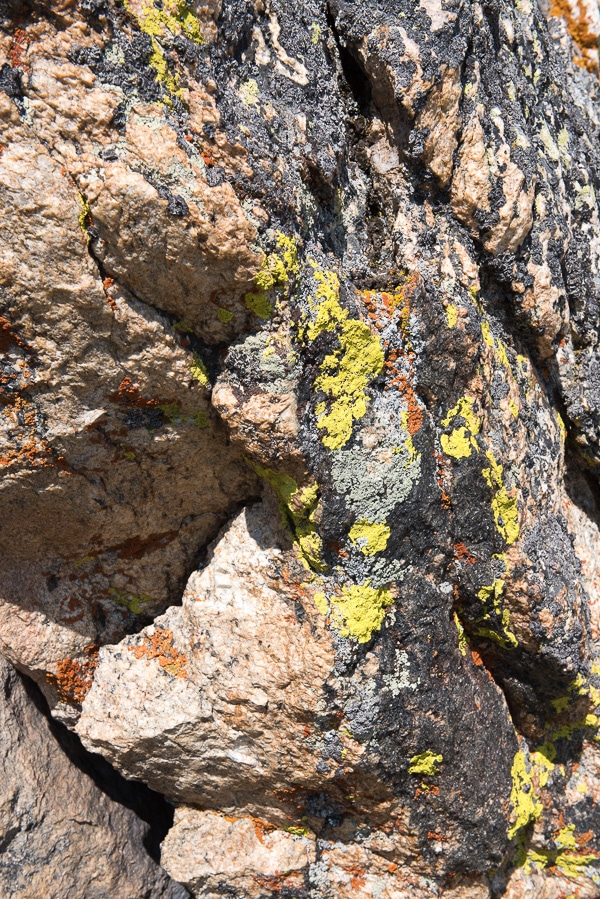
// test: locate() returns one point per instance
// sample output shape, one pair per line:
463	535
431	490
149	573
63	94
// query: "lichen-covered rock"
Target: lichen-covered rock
348	252
59	834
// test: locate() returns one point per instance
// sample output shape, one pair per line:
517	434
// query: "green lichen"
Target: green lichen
198	371
358	611
461	441
344	374
200	420
315	33
171	411
425	763
274	276
371	537
133	602
224	315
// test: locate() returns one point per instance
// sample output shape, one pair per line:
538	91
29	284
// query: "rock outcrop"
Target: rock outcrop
300	310
59	834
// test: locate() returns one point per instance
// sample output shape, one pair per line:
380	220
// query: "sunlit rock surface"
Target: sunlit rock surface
300	429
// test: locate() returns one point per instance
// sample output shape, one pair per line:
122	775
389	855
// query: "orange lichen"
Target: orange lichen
159	645
73	678
578	23
128	394
261	828
18	48
463	554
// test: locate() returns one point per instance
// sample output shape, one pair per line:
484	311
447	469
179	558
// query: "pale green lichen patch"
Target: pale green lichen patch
358	611
276	271
461	442
346	372
425	763
249	92
224	315
371	537
133	602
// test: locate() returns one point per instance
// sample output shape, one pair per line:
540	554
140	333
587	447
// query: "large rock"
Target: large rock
351	251
59	834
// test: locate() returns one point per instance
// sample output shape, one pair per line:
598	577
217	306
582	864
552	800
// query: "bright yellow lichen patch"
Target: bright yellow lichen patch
425	763
198	371
345	373
491	599
463	643
372	538
461	442
175	17
451	315
274	275
525	803
358	611
504	507
298	507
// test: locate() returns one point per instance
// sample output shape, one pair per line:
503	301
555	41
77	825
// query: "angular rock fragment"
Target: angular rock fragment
59	834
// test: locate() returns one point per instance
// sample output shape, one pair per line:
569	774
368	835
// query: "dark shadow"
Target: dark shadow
149	806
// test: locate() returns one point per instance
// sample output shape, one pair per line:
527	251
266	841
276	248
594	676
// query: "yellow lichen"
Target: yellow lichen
490	596
346	372
358	611
371	537
274	275
198	371
525	803
463	643
426	763
504	507
224	315
451	315
298	506
175	17
85	217
461	442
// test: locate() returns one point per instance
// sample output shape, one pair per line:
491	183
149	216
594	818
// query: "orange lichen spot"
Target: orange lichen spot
128	394
392	868
463	554
208	159
17	49
73	678
261	828
432	835
477	658
159	645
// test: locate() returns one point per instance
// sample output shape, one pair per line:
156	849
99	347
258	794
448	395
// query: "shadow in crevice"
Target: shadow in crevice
150	807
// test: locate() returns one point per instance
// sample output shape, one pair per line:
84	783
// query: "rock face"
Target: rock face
60	835
300	309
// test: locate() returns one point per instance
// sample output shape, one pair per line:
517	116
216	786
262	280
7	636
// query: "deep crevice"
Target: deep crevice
149	806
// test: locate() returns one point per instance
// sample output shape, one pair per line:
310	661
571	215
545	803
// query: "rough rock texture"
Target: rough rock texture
300	307
59	834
